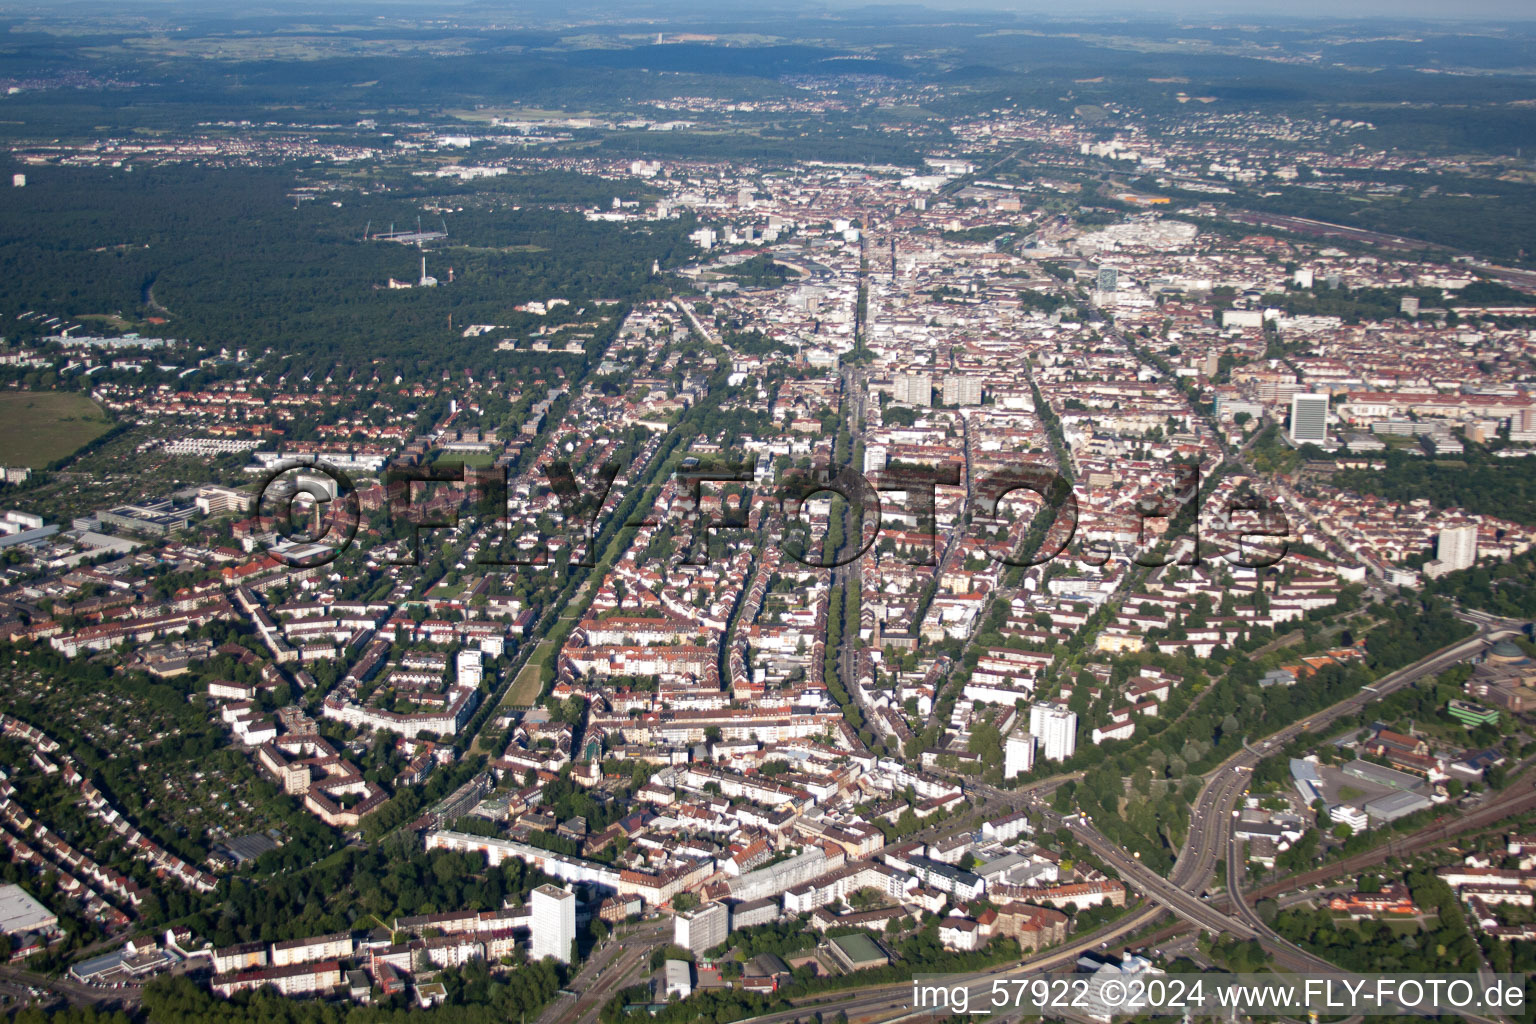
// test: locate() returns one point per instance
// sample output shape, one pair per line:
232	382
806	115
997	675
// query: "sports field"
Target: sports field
37	427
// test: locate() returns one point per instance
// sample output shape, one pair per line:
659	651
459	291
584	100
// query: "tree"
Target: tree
1141	780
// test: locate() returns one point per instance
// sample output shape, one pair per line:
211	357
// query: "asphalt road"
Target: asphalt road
15	981
1210	840
872	1003
623	960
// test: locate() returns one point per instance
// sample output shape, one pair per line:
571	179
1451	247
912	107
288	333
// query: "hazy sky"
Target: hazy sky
1483	10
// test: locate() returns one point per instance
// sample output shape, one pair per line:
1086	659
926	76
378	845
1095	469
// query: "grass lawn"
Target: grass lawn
529	684
1397	924
473	459
37	427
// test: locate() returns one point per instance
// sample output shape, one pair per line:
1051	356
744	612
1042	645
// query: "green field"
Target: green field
529	684
37	427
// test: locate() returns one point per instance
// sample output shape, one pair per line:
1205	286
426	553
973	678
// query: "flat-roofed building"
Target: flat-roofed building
1309	418
679	979
702	928
553	923
913	389
857	952
20	913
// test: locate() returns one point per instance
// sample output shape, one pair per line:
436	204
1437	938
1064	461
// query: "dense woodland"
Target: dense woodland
1507	589
1355	305
228	258
1481	484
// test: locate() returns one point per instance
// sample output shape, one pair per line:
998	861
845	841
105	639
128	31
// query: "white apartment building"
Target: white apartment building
1309	418
1055	729
1018	754
553	923
913	389
702	928
961	389
1455	548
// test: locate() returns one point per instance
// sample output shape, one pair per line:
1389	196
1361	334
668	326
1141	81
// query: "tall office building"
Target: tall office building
961	389
1457	547
553	923
1055	729
702	928
1309	418
1018	754
1109	279
914	389
1522	425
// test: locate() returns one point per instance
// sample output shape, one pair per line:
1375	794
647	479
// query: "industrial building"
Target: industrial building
21	914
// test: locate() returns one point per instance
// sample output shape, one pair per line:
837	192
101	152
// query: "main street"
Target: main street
849	574
1210	842
623	959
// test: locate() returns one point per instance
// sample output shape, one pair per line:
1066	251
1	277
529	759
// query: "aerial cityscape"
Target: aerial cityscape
839	513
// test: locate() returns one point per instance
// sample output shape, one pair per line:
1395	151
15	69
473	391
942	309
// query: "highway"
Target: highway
1210	841
1211	818
1517	799
1210	836
1284	953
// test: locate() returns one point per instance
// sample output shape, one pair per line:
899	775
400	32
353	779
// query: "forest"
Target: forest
1508	589
760	271
1479	483
228	257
